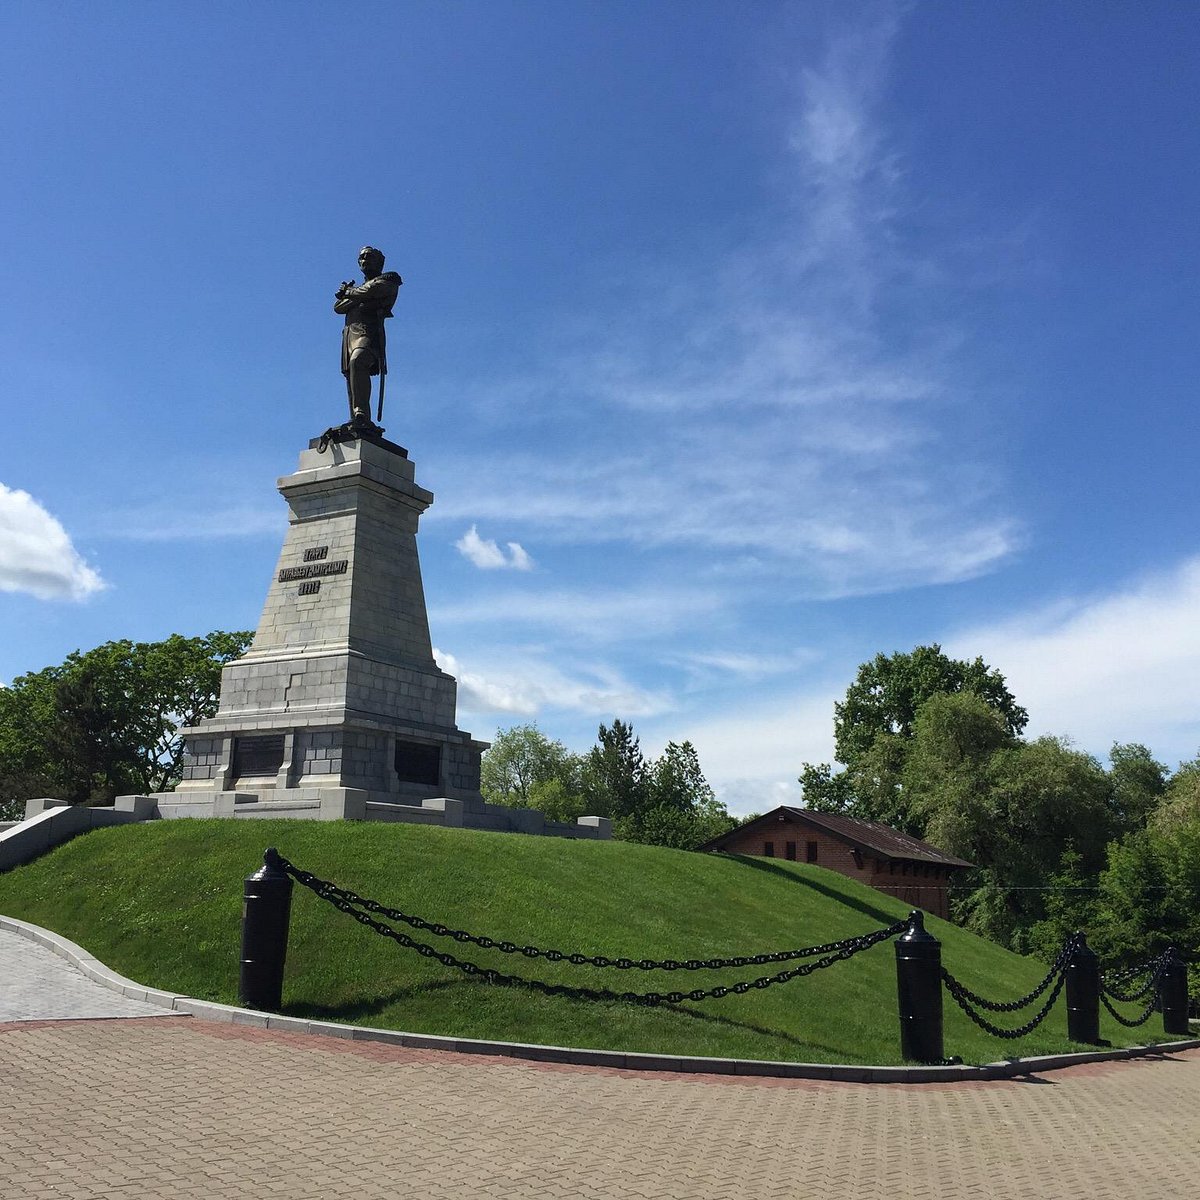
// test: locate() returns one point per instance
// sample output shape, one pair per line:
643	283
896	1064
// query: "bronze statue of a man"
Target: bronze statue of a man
364	343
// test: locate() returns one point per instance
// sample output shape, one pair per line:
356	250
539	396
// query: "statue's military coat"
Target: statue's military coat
366	308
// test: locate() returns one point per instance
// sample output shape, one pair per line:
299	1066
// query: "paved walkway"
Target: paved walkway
36	983
175	1107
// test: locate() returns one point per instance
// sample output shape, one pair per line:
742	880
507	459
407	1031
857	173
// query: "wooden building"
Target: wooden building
877	855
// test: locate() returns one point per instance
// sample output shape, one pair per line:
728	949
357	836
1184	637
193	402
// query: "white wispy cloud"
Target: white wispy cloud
596	614
1119	666
751	751
488	556
36	554
709	666
153	523
795	402
1123	666
527	686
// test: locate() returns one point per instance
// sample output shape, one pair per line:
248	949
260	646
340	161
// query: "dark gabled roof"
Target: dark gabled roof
883	839
868	836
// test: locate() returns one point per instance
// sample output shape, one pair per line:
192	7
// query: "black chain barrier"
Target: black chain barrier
1152	969
349	902
1130	972
961	994
970	1001
1108	994
1129	1023
336	895
1060	964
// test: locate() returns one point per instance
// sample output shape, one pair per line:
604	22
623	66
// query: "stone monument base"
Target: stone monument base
359	804
338	710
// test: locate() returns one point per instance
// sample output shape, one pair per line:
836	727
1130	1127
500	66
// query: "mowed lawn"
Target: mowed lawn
161	903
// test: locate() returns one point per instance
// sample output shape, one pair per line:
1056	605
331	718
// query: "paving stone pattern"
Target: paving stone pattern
178	1107
37	984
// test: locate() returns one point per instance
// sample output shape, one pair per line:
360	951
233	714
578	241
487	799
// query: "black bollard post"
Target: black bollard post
919	991
1172	990
266	907
1083	994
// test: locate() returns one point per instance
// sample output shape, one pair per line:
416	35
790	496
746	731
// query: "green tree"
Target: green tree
874	726
675	780
26	710
1024	813
1150	898
523	768
1139	784
107	720
559	801
615	780
1071	902
1181	801
946	773
826	790
680	808
664	801
889	690
90	737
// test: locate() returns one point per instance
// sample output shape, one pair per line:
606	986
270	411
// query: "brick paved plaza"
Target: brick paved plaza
121	1104
178	1107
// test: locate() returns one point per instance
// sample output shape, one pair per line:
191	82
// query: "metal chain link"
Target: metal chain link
1130	1024
846	950
1153	966
341	896
1142	968
1152	984
959	993
1060	964
1130	997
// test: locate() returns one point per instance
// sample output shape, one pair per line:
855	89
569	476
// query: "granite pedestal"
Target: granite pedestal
338	709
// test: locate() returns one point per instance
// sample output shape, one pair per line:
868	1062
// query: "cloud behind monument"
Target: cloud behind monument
36	553
487	555
794	397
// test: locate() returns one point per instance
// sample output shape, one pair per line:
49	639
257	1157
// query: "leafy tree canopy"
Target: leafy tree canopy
889	690
1139	785
664	801
874	726
615	777
522	760
106	721
1025	813
1180	804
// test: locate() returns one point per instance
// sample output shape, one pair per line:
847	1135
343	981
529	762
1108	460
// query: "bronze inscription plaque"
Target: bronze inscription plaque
316	570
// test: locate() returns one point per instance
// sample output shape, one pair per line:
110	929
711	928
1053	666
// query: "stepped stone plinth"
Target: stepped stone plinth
338	709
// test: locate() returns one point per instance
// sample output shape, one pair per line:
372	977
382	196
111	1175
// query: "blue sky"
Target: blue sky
738	342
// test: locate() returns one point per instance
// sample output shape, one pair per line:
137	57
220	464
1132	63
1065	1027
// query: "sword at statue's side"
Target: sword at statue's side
382	371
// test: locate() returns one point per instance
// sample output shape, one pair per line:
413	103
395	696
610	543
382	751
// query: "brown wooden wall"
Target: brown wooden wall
919	885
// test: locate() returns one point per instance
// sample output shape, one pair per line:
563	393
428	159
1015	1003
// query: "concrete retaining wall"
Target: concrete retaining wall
49	823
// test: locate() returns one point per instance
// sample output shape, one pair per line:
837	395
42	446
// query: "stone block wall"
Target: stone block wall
202	758
356	758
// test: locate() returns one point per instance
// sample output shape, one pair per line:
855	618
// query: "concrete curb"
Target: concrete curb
207	1010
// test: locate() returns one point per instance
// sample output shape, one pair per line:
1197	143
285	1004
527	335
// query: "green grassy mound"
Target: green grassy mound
161	903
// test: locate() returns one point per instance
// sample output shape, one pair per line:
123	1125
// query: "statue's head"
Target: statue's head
368	256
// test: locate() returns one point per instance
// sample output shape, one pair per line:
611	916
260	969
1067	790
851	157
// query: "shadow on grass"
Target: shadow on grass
354	1011
777	1035
766	864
